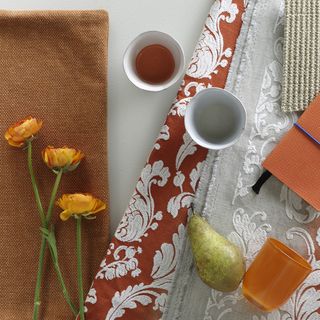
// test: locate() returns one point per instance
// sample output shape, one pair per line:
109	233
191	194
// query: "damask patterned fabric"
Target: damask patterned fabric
225	196
135	277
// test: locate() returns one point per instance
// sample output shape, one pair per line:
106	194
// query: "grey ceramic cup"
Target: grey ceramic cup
215	118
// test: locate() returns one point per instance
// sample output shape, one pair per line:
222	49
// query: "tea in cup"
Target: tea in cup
154	61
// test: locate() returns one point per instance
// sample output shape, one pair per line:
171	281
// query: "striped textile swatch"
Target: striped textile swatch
301	72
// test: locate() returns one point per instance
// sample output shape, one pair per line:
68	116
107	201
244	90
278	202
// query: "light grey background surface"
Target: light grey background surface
135	116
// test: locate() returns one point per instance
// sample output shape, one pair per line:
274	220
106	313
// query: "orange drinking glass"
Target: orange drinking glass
274	275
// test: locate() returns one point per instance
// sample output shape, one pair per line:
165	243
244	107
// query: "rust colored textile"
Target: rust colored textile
136	277
53	66
295	160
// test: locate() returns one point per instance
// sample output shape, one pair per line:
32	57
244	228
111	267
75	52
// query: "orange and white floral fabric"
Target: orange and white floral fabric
137	273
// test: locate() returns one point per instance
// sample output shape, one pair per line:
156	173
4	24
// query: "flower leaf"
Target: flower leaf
51	238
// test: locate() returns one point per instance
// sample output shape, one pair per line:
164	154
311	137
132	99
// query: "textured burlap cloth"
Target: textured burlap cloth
52	66
301	73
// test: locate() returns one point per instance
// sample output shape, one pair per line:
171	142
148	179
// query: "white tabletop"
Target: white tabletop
135	117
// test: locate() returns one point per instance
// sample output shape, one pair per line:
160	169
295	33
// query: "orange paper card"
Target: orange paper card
296	159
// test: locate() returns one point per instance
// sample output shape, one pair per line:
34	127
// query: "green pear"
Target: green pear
219	262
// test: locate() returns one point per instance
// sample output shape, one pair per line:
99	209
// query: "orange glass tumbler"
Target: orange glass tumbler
274	275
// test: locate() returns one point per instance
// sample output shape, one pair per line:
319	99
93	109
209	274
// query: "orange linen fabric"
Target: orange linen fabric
52	66
135	278
295	160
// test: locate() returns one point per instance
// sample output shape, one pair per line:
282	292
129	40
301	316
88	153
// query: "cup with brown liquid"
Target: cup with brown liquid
154	61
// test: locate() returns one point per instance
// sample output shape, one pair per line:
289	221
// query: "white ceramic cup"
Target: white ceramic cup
215	118
146	39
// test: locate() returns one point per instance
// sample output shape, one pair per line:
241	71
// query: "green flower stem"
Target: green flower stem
65	291
54	258
45	221
34	184
39	278
43	240
53	196
64	288
79	269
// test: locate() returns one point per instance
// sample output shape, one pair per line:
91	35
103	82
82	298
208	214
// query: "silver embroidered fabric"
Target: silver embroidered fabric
225	197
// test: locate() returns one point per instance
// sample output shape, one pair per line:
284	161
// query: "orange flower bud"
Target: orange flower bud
62	158
18	134
79	204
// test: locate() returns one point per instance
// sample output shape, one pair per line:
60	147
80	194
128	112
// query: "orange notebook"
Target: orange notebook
295	161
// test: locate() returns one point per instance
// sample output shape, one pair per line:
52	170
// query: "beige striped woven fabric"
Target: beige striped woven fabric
301	71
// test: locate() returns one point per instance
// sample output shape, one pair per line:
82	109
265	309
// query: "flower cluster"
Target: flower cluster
77	205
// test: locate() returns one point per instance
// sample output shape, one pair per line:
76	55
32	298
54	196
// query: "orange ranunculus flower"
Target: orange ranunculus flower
62	158
18	134
79	204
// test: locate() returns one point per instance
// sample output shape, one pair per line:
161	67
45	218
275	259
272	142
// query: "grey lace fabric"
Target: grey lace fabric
301	72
